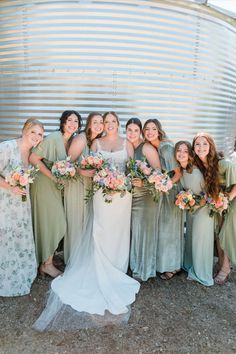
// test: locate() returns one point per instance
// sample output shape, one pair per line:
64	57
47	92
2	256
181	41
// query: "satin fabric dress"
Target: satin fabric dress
227	235
199	244
76	208
18	266
144	228
49	220
170	242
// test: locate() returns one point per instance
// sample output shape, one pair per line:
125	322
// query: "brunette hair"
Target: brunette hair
29	123
136	121
211	171
65	115
112	113
161	134
189	167
87	128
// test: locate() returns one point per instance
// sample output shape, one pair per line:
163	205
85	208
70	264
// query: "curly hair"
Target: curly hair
210	171
87	129
189	167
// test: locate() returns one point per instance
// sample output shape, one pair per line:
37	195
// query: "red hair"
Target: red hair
211	170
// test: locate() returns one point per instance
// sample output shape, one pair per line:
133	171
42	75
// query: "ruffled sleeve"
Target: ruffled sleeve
51	148
166	152
227	171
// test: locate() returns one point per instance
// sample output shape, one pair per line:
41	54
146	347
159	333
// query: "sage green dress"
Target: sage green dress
144	222
170	240
199	244
227	235
76	208
49	222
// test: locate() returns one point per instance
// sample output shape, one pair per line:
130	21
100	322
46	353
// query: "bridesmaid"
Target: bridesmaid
170	228
199	242
75	206
48	212
18	265
224	172
144	215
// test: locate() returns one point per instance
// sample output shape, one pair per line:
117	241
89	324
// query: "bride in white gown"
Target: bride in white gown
95	290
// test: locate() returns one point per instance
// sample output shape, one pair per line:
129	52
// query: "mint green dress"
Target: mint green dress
199	244
49	222
227	235
170	240
76	208
144	222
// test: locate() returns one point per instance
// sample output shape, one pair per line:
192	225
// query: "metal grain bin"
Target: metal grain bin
174	60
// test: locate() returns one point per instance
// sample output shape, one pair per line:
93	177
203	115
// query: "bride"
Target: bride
95	290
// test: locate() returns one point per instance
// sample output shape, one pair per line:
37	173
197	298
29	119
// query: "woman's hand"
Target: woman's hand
178	174
232	193
86	173
17	190
137	182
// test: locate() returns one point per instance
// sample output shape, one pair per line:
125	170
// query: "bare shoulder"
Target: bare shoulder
148	148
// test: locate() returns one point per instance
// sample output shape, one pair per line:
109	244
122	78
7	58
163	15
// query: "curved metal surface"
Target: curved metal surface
140	58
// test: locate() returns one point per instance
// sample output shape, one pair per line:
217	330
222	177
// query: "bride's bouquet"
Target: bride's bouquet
218	206
158	182
187	200
63	170
92	162
22	177
110	180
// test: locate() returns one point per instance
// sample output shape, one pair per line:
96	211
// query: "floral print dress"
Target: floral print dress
18	267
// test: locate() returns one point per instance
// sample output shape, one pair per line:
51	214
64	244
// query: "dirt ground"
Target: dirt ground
175	316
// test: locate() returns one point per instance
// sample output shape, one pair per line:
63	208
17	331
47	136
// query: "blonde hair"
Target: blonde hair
31	122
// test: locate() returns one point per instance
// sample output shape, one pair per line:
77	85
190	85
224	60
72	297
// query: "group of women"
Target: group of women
98	245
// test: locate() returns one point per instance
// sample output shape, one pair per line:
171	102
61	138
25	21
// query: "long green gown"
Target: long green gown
144	222
49	220
170	240
199	244
227	234
76	208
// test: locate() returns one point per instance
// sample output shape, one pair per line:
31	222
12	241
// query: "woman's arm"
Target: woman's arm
76	147
36	160
13	189
151	155
232	193
177	175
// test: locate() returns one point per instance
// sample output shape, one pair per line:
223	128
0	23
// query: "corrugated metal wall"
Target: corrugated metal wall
169	59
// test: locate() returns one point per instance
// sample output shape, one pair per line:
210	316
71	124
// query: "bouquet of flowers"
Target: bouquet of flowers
158	183
63	170
187	200
219	206
111	181
138	169
21	177
92	162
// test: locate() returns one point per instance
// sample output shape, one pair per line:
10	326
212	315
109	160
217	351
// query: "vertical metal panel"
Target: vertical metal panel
166	59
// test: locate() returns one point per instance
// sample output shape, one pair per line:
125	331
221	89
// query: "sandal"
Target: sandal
169	275
222	277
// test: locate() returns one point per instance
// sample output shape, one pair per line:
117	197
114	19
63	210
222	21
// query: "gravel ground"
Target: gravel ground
176	316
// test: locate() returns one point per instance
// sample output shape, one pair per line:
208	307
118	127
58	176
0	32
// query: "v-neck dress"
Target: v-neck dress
49	220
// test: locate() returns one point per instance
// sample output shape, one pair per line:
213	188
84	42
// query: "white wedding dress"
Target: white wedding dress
95	290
